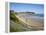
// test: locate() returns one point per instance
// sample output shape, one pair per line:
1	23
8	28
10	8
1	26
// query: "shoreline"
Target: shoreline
36	23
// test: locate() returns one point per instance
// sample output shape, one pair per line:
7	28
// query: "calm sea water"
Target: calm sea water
40	15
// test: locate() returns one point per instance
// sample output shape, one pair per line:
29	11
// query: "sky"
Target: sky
23	7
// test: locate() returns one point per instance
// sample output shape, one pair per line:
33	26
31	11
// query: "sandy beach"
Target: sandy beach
37	23
27	23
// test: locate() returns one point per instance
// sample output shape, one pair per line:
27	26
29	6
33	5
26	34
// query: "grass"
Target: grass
15	19
17	25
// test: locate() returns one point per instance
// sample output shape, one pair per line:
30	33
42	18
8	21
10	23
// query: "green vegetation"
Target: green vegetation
29	13
17	24
13	17
12	29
